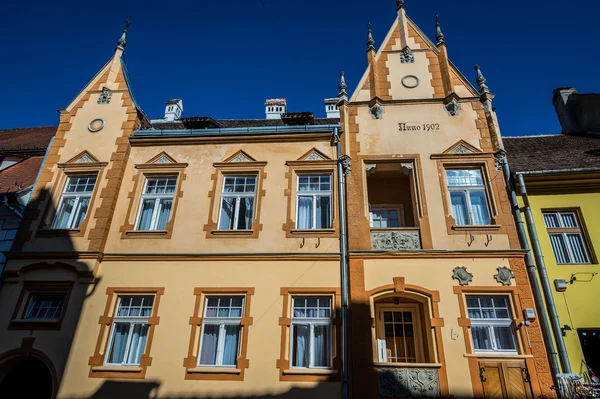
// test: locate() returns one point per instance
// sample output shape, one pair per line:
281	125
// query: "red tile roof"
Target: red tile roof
20	175
28	138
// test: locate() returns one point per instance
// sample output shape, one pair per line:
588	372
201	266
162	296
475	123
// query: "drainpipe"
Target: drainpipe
535	284
343	266
537	251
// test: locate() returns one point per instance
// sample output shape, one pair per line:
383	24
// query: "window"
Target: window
129	330
310	339
468	197
44	307
491	324
237	203
313	202
567	237
221	331
387	217
74	202
156	204
398	334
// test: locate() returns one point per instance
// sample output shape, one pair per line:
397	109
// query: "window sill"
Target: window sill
229	233
312	232
57	232
498	355
476	227
22	324
214	370
408	365
117	369
146	233
310	372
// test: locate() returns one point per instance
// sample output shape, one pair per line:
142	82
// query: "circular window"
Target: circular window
410	81
96	125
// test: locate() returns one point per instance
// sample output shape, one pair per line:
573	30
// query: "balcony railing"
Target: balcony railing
414	381
396	239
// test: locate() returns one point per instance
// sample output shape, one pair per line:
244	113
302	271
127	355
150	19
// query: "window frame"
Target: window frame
418	333
312	322
580	229
237	197
31	288
314	195
30	305
158	197
78	196
466	190
399	208
491	323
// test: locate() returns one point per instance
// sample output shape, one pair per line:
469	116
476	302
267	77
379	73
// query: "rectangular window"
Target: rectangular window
468	197
156	203
221	331
311	343
567	237
387	217
313	202
44	307
129	330
74	202
491	324
237	203
398	334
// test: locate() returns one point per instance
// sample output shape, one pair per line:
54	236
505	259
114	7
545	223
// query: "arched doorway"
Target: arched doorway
25	377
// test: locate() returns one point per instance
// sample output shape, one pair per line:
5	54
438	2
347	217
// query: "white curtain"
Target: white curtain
138	343
323	213
481	214
321	346
504	338
230	352
304	213
146	216
481	337
83	207
300	343
208	352
459	208
246	212
120	335
164	213
64	213
227	212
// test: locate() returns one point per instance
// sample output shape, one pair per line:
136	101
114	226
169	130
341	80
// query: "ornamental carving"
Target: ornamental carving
395	240
462	275
105	96
504	276
346	162
499	159
407	55
314	156
452	107
408	383
376	111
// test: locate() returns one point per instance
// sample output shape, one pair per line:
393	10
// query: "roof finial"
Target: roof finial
123	40
481	81
399	4
370	41
439	36
342	87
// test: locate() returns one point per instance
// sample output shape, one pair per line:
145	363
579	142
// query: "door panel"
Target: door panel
505	380
517	380
491	374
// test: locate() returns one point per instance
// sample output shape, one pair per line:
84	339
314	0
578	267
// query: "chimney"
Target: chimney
173	109
567	119
275	107
331	107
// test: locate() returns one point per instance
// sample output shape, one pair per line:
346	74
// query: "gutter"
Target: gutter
558	171
233	131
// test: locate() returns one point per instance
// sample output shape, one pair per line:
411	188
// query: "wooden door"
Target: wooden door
505	380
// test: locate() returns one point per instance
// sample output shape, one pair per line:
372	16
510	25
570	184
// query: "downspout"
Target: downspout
537	251
535	284
343	266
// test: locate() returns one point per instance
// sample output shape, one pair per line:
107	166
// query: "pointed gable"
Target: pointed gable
314	155
240	156
83	157
162	158
462	147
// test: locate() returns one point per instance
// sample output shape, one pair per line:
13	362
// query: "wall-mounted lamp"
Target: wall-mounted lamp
566	328
574	277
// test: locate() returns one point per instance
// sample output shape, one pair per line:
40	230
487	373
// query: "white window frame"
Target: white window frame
238	196
34	296
157	203
580	232
314	194
78	197
467	191
312	322
132	320
413	308
221	322
399	208
491	323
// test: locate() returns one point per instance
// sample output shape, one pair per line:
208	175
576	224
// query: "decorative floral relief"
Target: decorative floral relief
163	159
241	158
395	240
314	156
85	158
408	383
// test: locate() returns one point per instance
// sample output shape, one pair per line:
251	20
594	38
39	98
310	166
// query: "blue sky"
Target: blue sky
224	58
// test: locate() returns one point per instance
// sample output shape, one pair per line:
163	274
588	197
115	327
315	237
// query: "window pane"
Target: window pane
164	212
559	248
146	214
305	209
246	213
65	209
321	349
227	213
459	208
138	343
232	339
467	177
551	220
300	345
577	248
504	338
323	213
481	338
569	220
42	306
479	207
119	343
208	352
81	212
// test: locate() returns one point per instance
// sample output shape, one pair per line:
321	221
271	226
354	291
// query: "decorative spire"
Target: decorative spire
370	41
342	87
123	40
481	80
439	36
399	4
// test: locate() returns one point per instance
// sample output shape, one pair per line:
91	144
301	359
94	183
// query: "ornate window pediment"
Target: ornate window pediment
240	156
162	158
462	147
314	155
83	157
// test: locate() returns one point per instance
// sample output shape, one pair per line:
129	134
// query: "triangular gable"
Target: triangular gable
462	147
100	77
163	157
240	156
83	157
314	155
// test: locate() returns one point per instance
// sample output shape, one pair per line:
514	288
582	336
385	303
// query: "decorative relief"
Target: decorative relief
408	383
346	164
461	149
462	275
85	158
407	55
410	81
452	107
105	96
504	276
376	111
395	240
499	159
241	158
163	159
314	156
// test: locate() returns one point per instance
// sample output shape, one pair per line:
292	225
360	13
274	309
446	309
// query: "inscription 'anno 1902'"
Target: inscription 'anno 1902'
426	127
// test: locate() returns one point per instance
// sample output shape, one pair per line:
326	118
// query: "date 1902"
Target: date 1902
427	127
